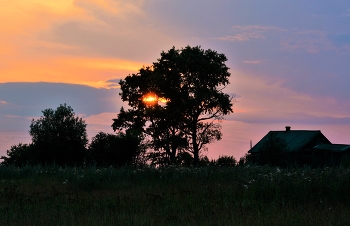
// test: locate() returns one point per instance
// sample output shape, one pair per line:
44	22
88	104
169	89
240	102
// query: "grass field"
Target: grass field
244	195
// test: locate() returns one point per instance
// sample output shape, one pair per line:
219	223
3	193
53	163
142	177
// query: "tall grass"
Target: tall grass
247	195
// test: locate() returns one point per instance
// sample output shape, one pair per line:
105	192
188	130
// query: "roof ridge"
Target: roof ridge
295	130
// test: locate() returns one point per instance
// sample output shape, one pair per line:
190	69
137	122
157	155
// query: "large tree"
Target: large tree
190	80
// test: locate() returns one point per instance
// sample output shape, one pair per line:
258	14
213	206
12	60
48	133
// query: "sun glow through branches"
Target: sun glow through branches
152	98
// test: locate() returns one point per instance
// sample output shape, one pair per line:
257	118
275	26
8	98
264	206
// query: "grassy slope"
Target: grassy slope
206	196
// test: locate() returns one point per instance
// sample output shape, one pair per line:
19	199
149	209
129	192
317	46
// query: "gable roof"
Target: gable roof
333	147
295	139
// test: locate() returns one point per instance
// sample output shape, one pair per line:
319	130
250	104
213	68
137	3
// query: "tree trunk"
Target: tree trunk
173	155
195	146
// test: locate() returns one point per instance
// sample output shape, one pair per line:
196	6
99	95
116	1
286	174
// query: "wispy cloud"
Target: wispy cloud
315	41
3	102
241	37
246	33
252	61
12	116
257	28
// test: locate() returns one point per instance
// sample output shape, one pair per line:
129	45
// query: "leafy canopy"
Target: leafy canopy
59	137
191	80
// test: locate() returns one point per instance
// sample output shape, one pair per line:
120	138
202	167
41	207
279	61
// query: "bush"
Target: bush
117	150
226	161
19	155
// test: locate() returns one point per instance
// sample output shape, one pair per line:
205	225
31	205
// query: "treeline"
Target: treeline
59	137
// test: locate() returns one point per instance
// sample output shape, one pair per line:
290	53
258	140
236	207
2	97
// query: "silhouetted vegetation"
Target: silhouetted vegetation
225	161
20	155
115	150
249	195
191	80
58	137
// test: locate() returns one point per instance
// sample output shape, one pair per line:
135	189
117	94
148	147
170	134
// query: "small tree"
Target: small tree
117	150
59	137
19	155
274	151
246	159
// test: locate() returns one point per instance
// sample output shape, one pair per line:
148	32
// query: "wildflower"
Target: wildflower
65	182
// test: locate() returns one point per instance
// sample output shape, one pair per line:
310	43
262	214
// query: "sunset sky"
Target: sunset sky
289	61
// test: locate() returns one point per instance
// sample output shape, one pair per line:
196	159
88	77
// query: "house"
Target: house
334	153
305	147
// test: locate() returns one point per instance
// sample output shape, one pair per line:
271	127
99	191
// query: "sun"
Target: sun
152	98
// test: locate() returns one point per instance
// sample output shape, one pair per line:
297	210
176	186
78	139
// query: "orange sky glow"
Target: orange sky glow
27	57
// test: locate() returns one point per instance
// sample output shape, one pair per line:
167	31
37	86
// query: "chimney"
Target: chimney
287	128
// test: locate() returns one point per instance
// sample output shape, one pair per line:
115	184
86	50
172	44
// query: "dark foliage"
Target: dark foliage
114	150
58	137
184	159
192	80
19	155
225	161
246	159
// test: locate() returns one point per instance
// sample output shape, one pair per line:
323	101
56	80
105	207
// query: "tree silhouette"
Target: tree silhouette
59	137
116	150
19	155
191	80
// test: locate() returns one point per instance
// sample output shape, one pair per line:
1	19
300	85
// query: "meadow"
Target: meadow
241	195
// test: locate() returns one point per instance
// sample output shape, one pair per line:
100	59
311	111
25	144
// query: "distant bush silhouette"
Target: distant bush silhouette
19	155
184	159
246	159
226	161
116	150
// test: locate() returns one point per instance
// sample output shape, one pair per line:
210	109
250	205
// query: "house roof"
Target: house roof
295	139
333	147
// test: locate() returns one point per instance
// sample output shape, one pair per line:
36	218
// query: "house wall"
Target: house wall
307	155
